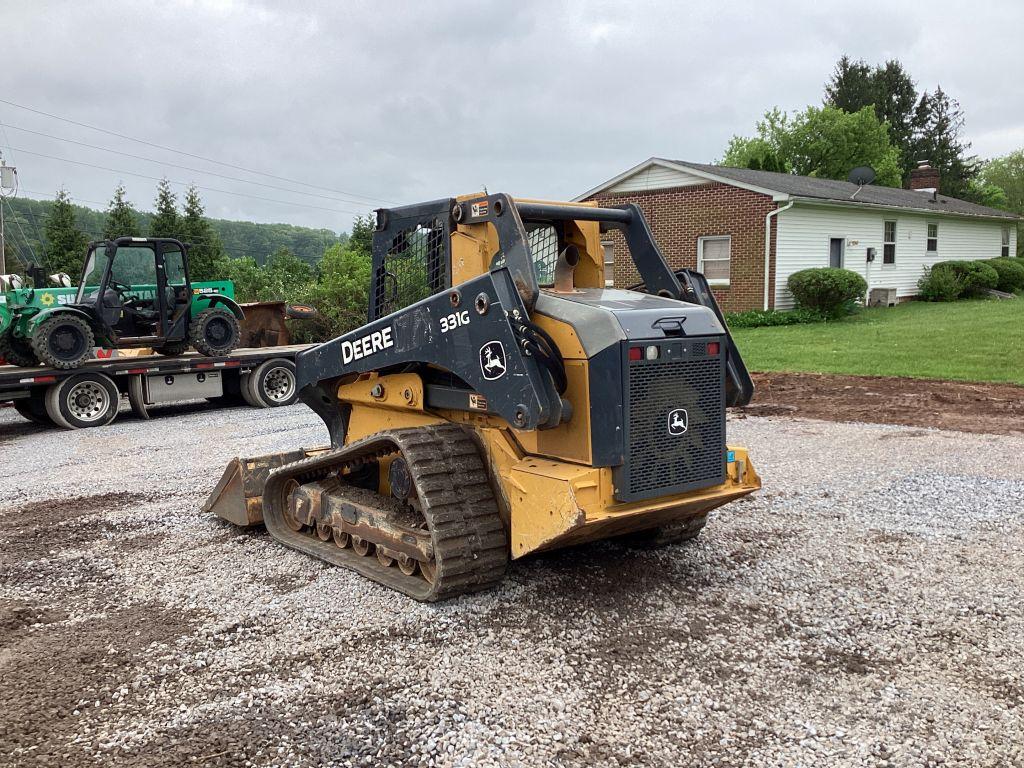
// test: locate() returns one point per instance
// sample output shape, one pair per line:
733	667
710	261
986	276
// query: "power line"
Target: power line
186	184
32	218
180	167
24	238
189	154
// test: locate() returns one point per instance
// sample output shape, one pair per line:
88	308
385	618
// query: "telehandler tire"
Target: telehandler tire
63	341
214	332
83	400
17	351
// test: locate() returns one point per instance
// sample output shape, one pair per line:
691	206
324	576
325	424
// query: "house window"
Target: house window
1004	250
609	264
889	243
713	256
933	238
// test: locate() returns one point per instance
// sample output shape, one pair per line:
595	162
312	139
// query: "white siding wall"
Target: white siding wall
656	177
804	232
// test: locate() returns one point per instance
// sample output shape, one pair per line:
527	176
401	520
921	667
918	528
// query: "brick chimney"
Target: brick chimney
924	178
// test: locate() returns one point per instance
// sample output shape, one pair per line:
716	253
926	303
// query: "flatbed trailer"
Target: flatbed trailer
90	396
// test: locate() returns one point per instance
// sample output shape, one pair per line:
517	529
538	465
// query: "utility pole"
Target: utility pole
8	186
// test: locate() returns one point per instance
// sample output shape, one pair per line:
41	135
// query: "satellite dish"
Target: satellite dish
861	175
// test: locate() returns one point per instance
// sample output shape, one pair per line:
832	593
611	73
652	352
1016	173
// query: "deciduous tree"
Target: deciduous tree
825	142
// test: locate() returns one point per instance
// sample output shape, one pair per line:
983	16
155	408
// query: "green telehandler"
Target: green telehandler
134	292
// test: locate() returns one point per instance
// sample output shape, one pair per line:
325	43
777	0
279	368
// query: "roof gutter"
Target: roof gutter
824	202
768	246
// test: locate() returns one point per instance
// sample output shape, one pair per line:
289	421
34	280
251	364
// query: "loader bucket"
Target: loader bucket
238	497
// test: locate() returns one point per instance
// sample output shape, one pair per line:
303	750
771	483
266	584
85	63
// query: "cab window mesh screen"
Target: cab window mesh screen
543	243
414	267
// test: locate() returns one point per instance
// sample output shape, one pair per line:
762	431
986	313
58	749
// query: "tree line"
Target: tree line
332	275
876	116
26	238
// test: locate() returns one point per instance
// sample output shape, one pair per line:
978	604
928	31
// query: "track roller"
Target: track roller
442	536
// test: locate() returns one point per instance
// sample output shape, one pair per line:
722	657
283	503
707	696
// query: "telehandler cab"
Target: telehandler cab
501	400
134	292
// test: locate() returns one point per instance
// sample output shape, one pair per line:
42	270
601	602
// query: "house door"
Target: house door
835	252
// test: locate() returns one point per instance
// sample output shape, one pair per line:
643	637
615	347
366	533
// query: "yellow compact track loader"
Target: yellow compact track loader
501	400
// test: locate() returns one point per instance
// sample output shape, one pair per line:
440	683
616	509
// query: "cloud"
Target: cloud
412	101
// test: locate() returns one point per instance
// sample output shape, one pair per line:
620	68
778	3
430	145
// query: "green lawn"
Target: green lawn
967	340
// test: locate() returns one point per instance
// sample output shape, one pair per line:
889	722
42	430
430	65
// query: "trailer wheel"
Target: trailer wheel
245	386
273	383
34	409
83	400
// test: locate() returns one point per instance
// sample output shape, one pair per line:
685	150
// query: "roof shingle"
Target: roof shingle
843	191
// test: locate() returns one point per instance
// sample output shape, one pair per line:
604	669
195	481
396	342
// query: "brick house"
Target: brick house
736	224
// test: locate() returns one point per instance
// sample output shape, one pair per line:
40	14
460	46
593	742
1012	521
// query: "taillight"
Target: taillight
636	353
714	347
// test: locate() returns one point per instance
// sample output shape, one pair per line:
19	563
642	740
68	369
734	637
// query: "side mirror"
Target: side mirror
61	279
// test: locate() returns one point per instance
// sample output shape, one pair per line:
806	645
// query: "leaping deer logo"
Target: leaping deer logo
678	421
492	360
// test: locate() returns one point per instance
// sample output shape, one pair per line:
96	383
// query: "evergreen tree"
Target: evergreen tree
887	89
851	87
65	243
13	265
939	123
165	221
206	257
120	221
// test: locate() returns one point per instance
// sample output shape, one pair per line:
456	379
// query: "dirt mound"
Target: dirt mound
962	406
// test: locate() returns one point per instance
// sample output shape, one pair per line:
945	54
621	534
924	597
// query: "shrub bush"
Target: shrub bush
975	276
1011	273
826	290
759	318
940	285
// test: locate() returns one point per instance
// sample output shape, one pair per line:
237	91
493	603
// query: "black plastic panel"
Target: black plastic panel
661	457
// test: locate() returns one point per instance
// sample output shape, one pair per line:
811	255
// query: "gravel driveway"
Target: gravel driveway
864	609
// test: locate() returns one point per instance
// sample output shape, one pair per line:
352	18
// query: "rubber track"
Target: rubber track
469	539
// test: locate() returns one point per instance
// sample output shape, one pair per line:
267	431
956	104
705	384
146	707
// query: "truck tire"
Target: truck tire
173	348
214	332
34	409
273	383
83	400
63	341
246	389
16	351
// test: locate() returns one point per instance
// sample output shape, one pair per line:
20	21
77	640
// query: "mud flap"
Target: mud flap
238	496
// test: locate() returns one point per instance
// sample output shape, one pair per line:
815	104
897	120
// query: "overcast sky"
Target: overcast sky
403	102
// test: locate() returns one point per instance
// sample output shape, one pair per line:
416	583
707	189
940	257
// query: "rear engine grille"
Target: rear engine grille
676	422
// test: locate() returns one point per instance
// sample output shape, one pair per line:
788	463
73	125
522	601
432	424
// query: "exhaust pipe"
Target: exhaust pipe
564	269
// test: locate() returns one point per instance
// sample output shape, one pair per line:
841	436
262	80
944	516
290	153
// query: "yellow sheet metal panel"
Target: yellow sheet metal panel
555	503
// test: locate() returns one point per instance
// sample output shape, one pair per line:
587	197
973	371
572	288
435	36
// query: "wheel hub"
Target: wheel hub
88	401
279	385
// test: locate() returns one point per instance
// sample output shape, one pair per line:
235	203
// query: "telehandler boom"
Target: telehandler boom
501	400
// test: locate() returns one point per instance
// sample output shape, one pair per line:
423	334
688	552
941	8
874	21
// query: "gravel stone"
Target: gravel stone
864	609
